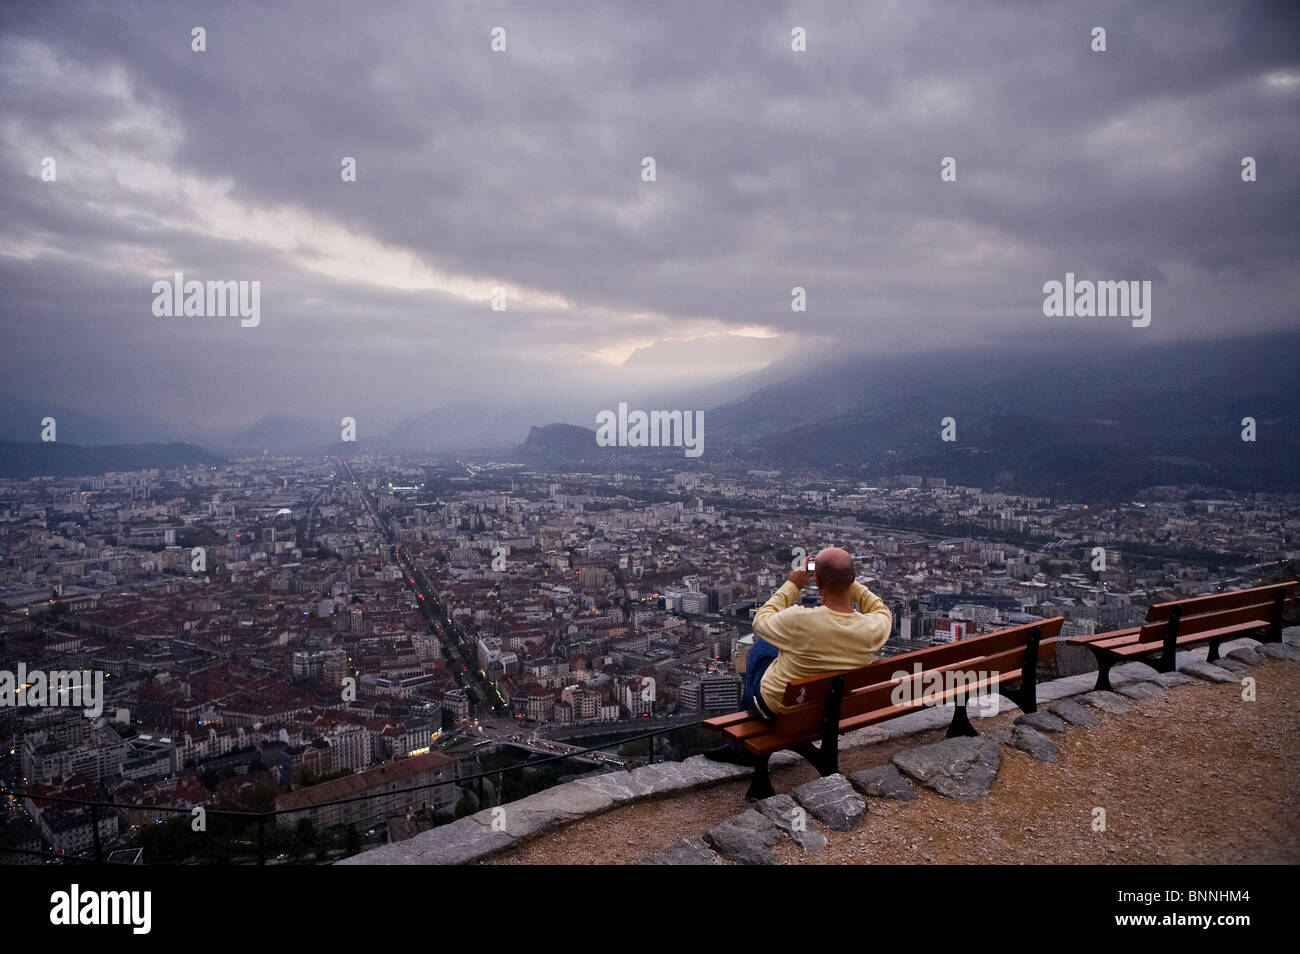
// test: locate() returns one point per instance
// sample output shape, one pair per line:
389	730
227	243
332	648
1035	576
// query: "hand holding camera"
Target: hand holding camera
800	578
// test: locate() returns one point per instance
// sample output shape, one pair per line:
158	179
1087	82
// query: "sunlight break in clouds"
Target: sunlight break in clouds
123	170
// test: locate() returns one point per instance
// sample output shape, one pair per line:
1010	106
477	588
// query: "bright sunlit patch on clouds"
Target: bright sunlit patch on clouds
110	169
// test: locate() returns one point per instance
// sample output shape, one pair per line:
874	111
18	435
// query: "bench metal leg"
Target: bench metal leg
1275	618
760	785
1025	698
1104	662
1169	654
960	723
828	758
1213	654
828	762
809	752
1026	694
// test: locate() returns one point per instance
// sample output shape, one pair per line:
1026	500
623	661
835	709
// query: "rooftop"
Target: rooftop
363	782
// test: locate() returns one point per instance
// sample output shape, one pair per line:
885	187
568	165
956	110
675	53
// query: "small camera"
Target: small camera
811	567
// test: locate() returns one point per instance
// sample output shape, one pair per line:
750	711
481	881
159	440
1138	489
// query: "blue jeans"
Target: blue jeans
761	655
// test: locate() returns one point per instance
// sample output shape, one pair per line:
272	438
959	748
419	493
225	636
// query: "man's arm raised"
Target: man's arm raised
872	605
767	620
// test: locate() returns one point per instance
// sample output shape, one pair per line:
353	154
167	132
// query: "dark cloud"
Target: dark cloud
522	169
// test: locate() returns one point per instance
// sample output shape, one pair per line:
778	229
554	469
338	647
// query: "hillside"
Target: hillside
57	459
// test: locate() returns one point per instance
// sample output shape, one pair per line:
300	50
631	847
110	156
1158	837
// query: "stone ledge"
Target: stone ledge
457	843
661	778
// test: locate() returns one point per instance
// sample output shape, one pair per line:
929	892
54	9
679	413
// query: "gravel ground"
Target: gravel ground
1196	776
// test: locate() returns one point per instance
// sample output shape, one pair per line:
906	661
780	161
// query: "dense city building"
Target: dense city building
299	631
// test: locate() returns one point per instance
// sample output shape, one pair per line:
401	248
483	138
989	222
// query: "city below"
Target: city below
322	636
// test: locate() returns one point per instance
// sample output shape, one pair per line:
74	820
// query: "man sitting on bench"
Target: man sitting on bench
793	642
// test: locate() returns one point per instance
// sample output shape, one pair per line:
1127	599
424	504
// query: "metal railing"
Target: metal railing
262	817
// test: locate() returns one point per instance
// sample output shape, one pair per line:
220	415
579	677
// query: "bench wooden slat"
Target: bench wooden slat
1208	621
804	722
1115	642
1014	656
883	715
722	721
881	670
761	742
1217	601
1258	614
1214	619
813	690
1191	639
1095	637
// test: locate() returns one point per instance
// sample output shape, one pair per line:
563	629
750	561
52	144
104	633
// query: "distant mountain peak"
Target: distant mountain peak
559	442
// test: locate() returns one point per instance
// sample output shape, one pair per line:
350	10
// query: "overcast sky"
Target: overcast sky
523	169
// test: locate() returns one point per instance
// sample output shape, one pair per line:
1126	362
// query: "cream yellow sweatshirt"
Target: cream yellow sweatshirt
820	640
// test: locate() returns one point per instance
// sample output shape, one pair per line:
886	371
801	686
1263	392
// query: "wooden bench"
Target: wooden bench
1183	624
825	706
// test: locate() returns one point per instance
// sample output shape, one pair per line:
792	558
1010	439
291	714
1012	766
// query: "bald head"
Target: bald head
835	573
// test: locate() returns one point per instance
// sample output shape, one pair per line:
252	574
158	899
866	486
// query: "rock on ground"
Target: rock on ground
833	802
787	815
963	768
746	838
1075	714
1140	690
688	851
1248	655
1171	679
1281	651
883	781
1100	699
1041	721
1208	671
1034	742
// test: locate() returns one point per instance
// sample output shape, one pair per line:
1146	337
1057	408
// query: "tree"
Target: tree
465	806
168	842
304	777
306	832
635	748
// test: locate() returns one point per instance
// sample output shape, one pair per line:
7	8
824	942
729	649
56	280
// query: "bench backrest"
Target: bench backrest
993	652
1200	614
